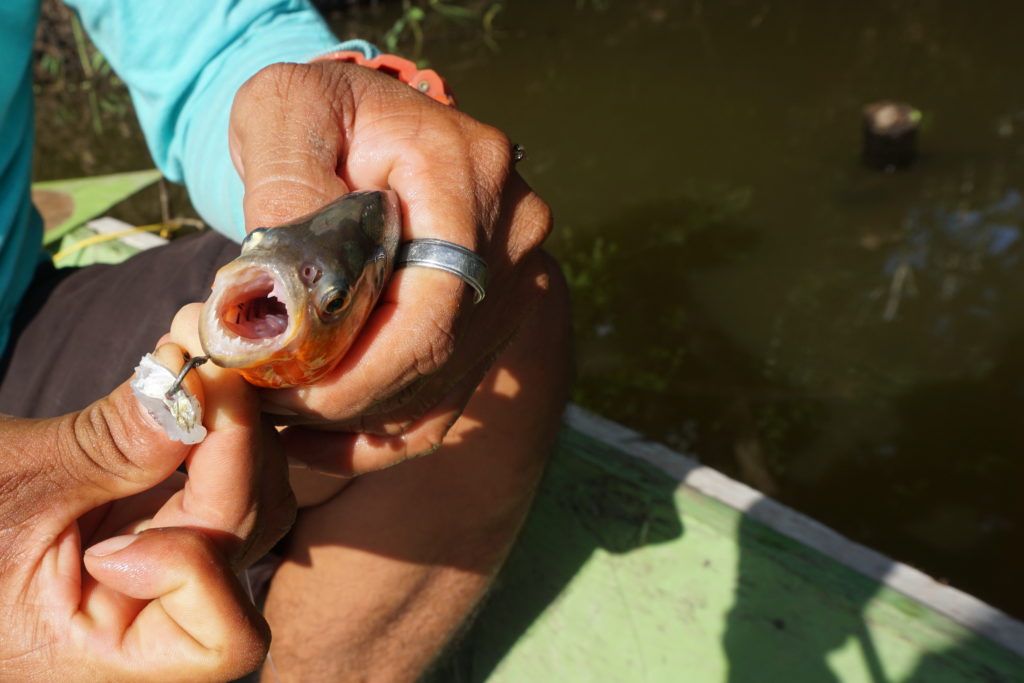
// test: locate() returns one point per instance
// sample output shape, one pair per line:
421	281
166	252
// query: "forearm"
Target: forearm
183	61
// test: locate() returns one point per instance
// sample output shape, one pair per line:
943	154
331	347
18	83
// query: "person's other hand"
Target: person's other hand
157	599
302	135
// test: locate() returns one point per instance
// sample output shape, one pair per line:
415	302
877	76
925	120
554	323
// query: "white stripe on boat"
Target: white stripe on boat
954	604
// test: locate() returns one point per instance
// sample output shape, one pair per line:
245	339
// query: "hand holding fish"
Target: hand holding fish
302	135
158	594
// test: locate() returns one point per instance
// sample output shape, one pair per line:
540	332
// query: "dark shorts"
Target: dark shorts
80	332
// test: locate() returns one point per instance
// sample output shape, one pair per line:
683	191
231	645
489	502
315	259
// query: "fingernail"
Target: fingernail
110	546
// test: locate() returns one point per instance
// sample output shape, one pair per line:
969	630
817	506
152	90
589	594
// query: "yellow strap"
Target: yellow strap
164	229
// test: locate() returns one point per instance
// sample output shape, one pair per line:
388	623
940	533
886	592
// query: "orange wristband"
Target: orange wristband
427	81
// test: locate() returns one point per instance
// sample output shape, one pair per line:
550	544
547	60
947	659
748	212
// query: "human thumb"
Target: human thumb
58	469
287	140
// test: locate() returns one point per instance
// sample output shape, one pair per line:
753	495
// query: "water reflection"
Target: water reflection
621	288
955	256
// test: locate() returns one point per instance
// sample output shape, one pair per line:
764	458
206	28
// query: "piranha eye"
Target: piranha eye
334	300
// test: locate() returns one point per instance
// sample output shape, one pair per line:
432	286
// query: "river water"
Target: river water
842	339
845	340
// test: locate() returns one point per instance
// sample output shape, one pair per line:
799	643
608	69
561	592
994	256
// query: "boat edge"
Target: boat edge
952	603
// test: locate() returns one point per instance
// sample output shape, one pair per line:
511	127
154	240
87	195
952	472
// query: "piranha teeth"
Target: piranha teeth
259	317
250	314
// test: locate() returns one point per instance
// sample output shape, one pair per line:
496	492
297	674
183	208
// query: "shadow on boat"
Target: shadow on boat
588	505
794	610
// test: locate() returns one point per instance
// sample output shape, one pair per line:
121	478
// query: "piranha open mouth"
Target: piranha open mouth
255	310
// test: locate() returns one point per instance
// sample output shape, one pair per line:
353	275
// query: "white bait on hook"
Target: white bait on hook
181	415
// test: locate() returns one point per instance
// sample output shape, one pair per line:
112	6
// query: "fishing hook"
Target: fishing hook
193	362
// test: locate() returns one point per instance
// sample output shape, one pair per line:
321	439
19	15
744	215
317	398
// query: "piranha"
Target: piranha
287	309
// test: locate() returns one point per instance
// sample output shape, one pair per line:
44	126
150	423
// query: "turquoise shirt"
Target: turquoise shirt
183	61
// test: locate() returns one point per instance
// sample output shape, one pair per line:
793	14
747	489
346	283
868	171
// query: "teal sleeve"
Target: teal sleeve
21	229
183	61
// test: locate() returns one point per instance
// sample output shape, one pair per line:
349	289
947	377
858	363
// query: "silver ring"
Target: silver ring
449	257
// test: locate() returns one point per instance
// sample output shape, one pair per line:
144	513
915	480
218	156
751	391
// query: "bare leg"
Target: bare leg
380	578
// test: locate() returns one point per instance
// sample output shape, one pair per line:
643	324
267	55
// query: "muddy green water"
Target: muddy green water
845	340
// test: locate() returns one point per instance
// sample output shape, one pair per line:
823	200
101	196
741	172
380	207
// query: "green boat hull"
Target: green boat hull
637	564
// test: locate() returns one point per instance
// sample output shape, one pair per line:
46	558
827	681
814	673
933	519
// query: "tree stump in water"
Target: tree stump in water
890	135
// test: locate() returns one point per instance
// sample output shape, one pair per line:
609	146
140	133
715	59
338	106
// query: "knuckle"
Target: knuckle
435	354
537	221
490	150
250	648
492	147
272	80
89	451
300	87
254	92
250	651
436	349
531	224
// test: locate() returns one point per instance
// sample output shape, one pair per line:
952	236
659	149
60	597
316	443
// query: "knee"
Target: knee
508	431
539	361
